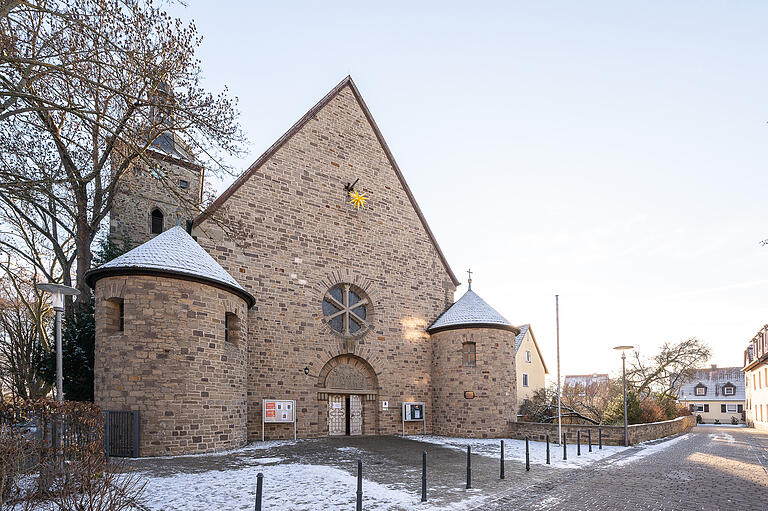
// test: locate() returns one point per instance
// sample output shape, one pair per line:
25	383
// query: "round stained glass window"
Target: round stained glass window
345	309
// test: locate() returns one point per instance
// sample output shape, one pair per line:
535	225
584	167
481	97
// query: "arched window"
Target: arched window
157	221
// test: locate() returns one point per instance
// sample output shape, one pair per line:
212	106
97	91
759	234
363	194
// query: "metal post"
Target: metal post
259	483
359	485
59	390
578	443
501	467
469	467
547	449
600	437
423	476
559	410
527	456
565	448
624	379
589	439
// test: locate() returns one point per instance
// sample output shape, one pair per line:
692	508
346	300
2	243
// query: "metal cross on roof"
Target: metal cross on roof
469	280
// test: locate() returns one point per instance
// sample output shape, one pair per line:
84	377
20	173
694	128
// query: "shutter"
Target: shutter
722	408
706	408
740	408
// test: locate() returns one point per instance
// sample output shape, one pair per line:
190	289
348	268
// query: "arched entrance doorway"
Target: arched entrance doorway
349	386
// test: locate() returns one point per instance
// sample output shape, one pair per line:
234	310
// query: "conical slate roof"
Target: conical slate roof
172	252
470	311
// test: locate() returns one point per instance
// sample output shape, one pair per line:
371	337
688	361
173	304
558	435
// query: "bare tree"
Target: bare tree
87	88
24	318
664	373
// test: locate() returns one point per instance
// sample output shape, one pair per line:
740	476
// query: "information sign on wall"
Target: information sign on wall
414	412
278	411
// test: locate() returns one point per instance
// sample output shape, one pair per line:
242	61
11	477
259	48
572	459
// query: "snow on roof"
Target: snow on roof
714	379
173	251
470	310
519	338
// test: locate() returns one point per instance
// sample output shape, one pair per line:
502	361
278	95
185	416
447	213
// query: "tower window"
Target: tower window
183	183
469	353
230	328
115	316
157	221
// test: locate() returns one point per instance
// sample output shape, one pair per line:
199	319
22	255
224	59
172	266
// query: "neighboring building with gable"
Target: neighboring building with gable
281	290
715	394
584	384
756	379
531	369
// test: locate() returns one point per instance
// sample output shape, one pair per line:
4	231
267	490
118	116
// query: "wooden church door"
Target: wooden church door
337	415
355	415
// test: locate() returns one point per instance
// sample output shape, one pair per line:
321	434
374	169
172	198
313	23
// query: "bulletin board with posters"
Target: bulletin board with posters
414	412
281	411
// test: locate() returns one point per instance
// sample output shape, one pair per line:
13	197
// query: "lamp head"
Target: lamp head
622	348
58	292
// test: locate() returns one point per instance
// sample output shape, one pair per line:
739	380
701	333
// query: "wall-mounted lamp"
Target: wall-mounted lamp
306	371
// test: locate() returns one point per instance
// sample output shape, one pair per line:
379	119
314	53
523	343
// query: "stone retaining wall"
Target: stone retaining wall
612	435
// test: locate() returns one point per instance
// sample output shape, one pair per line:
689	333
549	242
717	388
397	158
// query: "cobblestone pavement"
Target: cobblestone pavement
709	468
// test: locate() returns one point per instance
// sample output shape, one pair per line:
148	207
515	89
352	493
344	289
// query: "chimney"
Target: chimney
714	366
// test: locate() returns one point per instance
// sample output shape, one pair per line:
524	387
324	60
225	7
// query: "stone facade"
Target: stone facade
492	379
141	191
171	362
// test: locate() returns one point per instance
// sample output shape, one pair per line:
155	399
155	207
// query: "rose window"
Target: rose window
345	308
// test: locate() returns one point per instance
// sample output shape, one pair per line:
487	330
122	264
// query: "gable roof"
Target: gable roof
173	253
300	124
519	340
714	379
470	311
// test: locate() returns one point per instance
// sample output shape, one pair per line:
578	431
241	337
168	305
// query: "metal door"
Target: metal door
337	415
355	415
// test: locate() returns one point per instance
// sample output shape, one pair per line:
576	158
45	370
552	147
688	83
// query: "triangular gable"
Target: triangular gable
300	124
536	344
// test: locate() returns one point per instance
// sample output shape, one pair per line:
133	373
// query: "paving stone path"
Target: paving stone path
710	468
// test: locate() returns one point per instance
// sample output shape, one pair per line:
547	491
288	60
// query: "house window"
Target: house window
528	356
469	354
732	408
701	408
729	391
157	221
230	328
525	380
183	183
701	390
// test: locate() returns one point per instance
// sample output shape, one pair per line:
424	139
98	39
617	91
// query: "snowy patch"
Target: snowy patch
514	450
256	446
291	486
647	450
725	437
721	425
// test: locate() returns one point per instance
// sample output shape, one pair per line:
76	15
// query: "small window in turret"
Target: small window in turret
183	183
157	221
469	354
115	316
231	329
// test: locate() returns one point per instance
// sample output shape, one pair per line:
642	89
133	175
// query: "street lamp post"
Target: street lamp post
624	381
58	292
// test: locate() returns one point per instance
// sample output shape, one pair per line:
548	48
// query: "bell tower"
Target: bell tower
154	195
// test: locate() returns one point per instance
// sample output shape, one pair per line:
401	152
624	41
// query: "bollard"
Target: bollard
589	439
359	485
527	456
259	483
423	476
578	443
469	467
565	448
501	467
547	449
600	437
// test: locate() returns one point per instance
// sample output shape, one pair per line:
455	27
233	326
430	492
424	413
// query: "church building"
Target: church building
313	282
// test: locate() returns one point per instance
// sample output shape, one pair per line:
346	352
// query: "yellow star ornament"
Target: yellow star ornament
357	199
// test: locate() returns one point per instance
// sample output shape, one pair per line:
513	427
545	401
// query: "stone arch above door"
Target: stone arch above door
347	374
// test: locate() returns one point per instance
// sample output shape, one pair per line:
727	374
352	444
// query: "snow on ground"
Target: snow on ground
254	446
515	450
722	425
649	449
291	486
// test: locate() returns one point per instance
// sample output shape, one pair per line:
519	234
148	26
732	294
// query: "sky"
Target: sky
609	152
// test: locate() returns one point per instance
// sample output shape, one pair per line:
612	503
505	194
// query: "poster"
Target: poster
276	410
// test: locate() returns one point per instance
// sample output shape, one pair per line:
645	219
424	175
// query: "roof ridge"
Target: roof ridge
347	81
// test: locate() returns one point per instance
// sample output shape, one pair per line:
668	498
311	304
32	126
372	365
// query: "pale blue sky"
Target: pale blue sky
608	152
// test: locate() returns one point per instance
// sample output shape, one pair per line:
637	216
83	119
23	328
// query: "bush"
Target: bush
615	412
33	470
734	420
699	420
652	411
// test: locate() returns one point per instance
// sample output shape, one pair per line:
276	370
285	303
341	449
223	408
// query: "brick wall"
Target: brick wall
492	379
287	235
612	435
171	362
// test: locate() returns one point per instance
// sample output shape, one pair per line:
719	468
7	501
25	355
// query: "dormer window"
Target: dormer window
700	390
729	390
